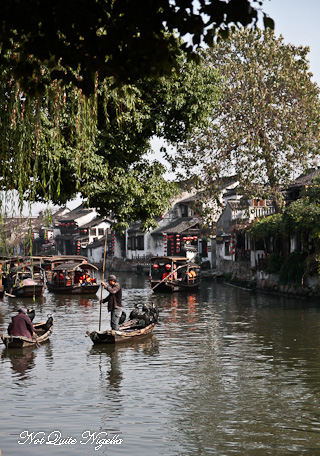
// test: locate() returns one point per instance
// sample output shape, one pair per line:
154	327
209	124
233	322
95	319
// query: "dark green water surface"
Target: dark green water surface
227	373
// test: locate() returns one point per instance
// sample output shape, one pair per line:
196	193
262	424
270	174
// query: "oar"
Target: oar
103	269
10	295
37	343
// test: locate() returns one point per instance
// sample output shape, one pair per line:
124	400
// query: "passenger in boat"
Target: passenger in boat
174	274
114	300
21	325
85	279
191	275
167	271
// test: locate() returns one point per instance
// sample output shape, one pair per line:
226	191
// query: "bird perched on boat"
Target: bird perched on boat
146	318
145	308
134	313
49	323
122	317
31	313
154	313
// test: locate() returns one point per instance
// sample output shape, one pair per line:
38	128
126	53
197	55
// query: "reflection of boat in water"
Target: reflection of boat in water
43	331
73	278
22	361
169	273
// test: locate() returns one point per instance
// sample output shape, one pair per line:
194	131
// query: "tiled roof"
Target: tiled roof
76	213
178	226
95	222
99	243
305	178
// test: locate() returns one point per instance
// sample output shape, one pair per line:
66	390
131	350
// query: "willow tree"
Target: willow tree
66	142
266	127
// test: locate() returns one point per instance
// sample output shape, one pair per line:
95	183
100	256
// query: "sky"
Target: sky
298	22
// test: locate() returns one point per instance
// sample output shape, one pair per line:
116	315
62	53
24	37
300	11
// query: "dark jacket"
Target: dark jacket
21	326
114	299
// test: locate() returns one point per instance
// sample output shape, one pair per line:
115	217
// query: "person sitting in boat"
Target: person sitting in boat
21	325
85	279
167	271
114	300
174	274
191	275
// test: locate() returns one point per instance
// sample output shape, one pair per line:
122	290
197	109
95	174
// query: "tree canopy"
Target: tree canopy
84	86
266	126
77	39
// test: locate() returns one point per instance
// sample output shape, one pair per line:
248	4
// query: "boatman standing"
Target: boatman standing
114	300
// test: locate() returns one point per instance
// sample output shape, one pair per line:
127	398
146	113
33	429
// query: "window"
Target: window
140	242
136	243
93	231
227	248
204	248
100	231
131	243
184	211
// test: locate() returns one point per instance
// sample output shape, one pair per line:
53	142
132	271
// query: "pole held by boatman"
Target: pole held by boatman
114	300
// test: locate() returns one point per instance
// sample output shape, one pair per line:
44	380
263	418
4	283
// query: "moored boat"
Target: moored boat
43	331
170	273
25	280
73	278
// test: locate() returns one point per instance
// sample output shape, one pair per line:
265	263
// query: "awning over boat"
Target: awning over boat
73	266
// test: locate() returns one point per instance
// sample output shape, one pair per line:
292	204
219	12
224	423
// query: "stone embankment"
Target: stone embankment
243	276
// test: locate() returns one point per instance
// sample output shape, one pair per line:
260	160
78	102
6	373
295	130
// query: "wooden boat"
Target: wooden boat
170	273
68	278
50	262
131	330
24	280
42	329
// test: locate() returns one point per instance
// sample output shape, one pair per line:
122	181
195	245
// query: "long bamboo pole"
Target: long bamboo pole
169	275
103	270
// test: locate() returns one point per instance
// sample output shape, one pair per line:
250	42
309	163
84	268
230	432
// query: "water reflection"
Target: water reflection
226	373
22	362
109	366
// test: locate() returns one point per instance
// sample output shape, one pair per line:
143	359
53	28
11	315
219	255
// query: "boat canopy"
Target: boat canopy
73	266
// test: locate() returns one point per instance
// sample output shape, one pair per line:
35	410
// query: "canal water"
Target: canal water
228	372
